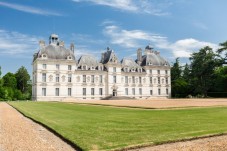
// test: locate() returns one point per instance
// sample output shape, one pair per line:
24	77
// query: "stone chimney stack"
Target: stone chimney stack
139	56
62	43
102	57
72	47
41	44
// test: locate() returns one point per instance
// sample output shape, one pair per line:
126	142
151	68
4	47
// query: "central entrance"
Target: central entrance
114	92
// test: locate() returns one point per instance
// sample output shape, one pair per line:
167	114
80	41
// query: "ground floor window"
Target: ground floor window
159	91
43	91
69	91
140	91
92	91
151	92
133	91
167	91
126	91
84	91
56	91
100	91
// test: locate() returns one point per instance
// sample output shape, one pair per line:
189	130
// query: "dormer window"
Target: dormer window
100	68
133	70
126	69
84	67
139	70
69	57
92	68
44	56
149	63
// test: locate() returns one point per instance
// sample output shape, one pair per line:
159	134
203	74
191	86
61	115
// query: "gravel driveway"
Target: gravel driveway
18	133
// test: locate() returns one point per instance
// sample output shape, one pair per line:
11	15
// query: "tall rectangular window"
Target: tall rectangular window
57	66
84	91
69	67
43	77
126	91
167	91
140	80
56	91
158	80
140	91
126	79
100	78
167	81
100	91
92	91
151	92
57	78
84	78
133	79
43	91
166	71
158	71
69	77
44	66
159	91
69	91
150	80
133	91
114	79
150	71
114	69
92	79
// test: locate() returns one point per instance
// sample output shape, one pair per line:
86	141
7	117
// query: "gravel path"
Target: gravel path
217	143
18	133
159	103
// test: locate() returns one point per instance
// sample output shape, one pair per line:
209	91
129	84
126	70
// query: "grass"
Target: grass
104	128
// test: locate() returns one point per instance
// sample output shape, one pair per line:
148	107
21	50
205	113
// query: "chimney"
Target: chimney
139	56
62	43
41	44
72	47
102	57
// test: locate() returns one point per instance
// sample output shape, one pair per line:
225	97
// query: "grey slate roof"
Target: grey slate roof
153	59
88	60
126	62
55	52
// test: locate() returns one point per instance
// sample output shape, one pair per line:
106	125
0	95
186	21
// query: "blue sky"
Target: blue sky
176	28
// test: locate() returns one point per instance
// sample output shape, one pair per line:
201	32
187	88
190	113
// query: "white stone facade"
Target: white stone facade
58	76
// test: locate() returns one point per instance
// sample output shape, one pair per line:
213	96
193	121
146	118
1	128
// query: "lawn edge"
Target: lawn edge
153	144
69	142
145	108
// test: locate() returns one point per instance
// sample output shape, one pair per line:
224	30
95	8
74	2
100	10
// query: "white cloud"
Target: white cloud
137	38
129	38
14	43
29	9
185	47
136	6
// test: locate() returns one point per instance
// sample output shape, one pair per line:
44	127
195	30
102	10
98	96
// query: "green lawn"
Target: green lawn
104	128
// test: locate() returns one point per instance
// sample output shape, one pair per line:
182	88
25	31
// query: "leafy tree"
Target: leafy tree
178	83
222	50
22	77
176	70
203	66
9	80
220	80
186	73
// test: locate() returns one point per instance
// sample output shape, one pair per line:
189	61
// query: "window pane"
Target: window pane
69	91
44	77
84	91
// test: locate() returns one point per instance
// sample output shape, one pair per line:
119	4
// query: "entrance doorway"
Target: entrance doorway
114	92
